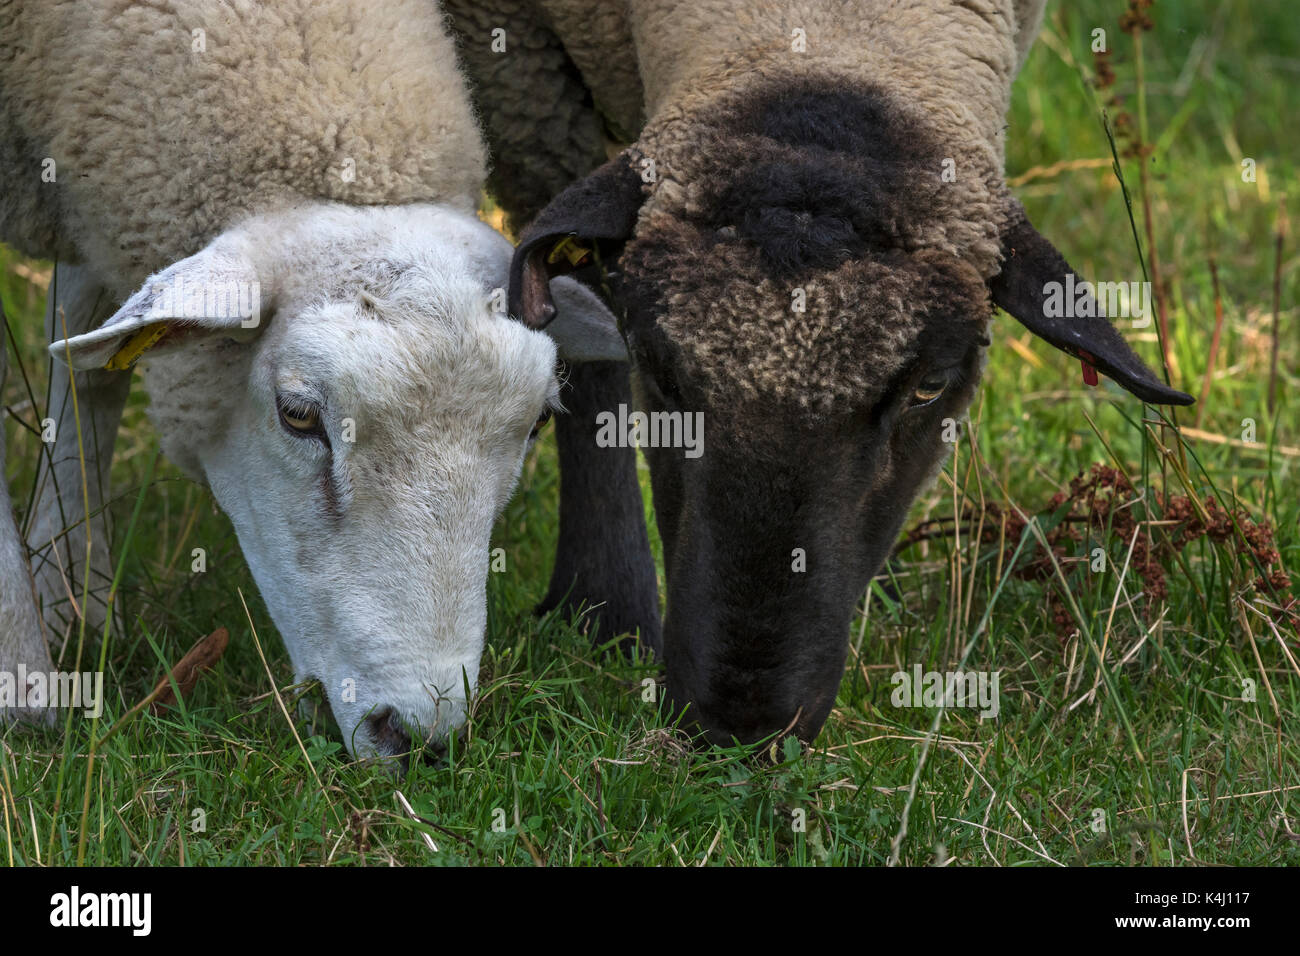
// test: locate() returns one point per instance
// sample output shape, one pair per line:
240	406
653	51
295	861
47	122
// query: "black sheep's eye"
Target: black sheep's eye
300	417
931	387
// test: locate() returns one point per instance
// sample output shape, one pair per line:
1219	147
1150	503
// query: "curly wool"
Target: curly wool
840	148
184	117
815	241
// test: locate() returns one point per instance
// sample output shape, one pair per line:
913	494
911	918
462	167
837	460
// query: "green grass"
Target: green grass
565	763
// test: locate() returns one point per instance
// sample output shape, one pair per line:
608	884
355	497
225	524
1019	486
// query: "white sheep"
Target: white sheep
274	204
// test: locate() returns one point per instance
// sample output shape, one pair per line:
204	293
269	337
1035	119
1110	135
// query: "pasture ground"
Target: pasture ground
1128	731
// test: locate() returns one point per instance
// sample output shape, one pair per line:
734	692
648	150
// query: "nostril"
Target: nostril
386	730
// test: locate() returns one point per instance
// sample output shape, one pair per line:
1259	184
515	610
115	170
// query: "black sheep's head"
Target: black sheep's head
816	295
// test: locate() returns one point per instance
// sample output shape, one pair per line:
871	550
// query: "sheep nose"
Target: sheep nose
726	721
725	729
391	739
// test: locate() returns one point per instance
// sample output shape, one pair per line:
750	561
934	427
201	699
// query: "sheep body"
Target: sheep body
673	39
539	122
954	61
168	122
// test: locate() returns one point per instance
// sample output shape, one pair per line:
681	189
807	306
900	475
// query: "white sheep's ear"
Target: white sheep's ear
584	329
214	293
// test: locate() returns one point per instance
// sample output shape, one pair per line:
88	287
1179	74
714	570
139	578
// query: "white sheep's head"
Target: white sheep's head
348	384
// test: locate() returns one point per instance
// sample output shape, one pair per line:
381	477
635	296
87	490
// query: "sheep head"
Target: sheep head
806	279
340	378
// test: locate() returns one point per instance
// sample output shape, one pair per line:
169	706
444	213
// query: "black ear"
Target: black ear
601	209
1029	264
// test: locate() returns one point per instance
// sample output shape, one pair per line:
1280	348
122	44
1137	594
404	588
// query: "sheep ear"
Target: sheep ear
1030	264
584	329
216	292
592	217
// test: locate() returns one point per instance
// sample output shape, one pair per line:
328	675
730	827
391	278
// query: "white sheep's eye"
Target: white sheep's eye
307	422
930	388
299	416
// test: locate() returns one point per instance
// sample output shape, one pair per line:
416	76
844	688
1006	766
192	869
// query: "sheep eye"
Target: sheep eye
930	388
301	417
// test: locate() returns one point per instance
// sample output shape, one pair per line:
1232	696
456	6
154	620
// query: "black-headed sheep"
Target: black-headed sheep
804	240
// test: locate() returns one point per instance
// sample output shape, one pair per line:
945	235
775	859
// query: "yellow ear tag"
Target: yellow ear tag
135	346
569	248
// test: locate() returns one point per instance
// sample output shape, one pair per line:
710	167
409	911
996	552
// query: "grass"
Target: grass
1124	735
